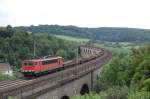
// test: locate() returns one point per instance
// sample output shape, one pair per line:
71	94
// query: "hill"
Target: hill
111	34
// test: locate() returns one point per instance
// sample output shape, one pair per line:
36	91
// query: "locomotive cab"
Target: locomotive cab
28	67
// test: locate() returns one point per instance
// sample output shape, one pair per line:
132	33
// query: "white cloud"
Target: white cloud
85	13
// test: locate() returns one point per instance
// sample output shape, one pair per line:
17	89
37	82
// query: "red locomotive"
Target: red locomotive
34	67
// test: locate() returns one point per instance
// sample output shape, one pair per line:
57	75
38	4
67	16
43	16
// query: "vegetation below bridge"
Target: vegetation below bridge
125	77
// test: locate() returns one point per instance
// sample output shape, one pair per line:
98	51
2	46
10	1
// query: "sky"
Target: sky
82	13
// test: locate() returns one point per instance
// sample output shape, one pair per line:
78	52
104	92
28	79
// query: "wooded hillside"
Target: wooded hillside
103	33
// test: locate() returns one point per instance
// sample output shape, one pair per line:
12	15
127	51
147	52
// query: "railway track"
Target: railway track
7	84
7	87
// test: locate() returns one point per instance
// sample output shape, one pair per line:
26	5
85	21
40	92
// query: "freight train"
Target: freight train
35	67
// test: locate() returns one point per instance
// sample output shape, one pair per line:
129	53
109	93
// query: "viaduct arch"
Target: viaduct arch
65	97
84	89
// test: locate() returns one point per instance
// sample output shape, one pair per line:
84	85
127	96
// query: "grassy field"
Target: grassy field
75	39
115	48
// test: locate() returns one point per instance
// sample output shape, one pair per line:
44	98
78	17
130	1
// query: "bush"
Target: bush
139	95
87	96
115	92
6	77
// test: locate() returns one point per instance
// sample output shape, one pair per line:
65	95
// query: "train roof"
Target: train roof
43	59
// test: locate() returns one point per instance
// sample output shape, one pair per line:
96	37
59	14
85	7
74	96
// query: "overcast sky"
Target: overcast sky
83	13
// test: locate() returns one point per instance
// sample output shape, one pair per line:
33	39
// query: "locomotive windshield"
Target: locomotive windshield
29	63
25	64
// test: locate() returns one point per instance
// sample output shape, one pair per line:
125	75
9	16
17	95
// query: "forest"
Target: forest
17	45
112	34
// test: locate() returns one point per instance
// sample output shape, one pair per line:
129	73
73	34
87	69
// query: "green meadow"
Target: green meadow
115	48
75	39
